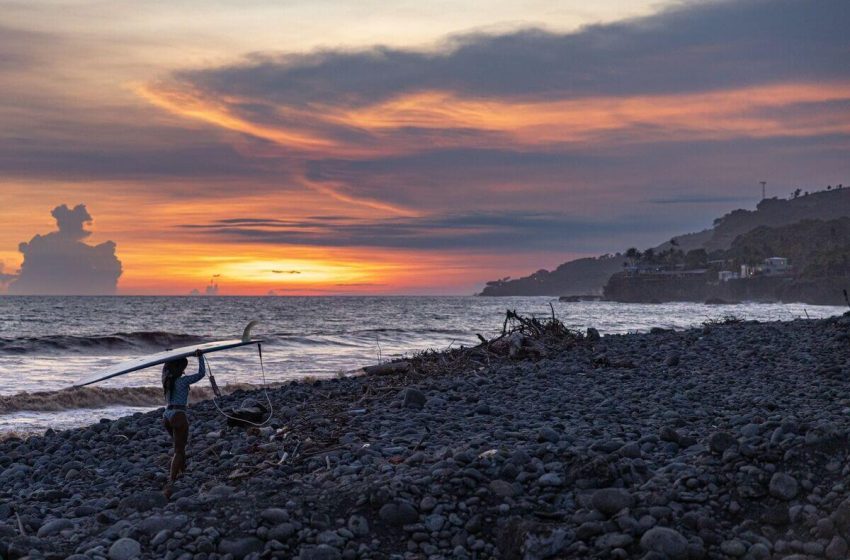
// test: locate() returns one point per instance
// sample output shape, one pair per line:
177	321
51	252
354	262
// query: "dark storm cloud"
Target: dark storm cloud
61	263
503	231
691	48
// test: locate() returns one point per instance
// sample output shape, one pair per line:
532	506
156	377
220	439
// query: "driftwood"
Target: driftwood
388	368
521	338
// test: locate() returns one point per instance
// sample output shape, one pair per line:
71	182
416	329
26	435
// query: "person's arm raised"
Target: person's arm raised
202	369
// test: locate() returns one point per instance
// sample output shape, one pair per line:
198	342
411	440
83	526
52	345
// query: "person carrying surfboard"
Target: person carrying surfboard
175	387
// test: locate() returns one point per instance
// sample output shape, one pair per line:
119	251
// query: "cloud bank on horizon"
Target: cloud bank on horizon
61	263
521	142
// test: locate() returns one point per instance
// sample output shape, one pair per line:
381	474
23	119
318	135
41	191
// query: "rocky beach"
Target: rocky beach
725	441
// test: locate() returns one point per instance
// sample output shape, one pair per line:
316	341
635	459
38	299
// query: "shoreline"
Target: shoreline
721	441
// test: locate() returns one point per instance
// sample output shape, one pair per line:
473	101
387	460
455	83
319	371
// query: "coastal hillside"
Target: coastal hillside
581	276
589	275
807	261
816	248
775	212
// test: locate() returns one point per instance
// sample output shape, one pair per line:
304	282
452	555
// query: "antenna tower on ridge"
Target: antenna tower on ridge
763	185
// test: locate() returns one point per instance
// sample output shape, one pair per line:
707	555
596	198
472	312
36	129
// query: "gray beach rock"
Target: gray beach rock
240	547
321	552
721	441
414	398
125	549
550	479
502	489
783	486
837	549
53	527
154	524
143	501
611	500
358	525
400	513
281	532
274	515
668	542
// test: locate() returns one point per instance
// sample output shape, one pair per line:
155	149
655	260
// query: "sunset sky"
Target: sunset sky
360	146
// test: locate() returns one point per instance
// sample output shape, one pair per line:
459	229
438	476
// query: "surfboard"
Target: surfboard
143	362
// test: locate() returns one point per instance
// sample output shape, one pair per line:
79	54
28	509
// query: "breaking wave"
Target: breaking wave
145	340
102	397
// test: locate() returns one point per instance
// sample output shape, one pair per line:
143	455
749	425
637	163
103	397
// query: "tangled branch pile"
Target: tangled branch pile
522	338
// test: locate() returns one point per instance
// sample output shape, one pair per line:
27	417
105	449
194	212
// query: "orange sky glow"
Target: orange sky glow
349	157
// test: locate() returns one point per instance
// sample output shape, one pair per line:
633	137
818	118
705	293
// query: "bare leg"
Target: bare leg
180	427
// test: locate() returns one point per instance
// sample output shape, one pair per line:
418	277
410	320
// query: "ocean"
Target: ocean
46	343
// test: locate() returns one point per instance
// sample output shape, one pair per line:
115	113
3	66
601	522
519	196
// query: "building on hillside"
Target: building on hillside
775	266
726	275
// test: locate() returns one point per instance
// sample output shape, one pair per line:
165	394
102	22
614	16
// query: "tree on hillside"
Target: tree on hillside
696	258
633	254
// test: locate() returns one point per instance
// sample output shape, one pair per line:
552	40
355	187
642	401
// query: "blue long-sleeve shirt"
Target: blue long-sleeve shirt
180	393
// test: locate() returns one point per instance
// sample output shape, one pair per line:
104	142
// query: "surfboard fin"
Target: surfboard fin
246	334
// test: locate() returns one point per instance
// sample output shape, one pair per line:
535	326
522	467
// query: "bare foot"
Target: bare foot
167	490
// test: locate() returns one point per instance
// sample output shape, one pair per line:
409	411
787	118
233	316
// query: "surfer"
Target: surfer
175	386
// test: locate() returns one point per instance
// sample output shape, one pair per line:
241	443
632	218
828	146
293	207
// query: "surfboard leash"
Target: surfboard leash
217	392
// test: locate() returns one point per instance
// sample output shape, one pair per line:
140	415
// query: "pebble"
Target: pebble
281	532
550	479
611	500
274	515
240	547
783	486
547	434
733	547
721	441
53	527
668	542
125	549
414	398
502	489
401	513
321	552
358	525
